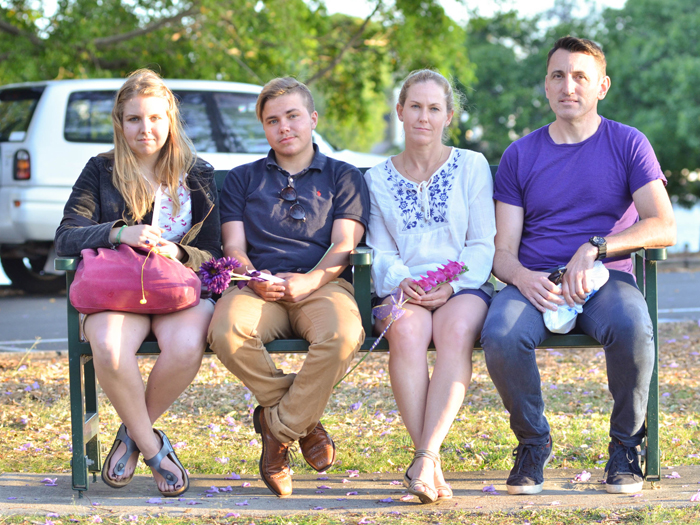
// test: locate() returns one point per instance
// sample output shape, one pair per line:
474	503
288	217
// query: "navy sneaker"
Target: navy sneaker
623	473
527	476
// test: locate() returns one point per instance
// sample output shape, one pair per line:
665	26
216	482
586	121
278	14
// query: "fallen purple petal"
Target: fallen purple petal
395	482
242	503
232	515
489	488
323	487
406	497
695	497
583	476
96	519
386	500
319	508
673	475
233	475
155	501
194	502
245	484
351	493
212	490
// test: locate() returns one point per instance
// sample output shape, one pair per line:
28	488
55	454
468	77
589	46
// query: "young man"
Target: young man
296	214
579	190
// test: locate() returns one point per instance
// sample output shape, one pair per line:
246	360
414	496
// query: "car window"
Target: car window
198	127
244	133
214	121
89	117
16	110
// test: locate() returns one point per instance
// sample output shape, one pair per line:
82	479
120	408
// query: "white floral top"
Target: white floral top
175	226
414	228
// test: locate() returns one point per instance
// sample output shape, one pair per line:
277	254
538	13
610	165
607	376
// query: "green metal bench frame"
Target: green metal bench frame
87	458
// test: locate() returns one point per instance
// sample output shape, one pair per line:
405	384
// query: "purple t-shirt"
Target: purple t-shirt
570	192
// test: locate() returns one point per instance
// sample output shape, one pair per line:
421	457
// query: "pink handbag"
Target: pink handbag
129	280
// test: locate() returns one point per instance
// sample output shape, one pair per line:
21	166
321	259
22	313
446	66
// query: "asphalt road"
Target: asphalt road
39	322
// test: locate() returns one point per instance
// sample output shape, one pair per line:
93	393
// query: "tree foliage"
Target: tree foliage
350	64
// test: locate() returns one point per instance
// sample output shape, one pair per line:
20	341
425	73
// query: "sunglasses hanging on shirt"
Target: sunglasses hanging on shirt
289	194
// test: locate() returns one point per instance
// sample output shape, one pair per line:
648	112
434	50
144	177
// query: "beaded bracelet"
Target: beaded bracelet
119	236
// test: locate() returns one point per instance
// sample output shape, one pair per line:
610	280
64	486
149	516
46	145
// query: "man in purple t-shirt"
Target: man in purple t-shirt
579	190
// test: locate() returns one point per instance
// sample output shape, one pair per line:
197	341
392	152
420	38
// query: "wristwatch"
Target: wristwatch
601	244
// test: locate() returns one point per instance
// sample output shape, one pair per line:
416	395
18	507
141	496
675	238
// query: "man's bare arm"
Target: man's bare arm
655	229
535	286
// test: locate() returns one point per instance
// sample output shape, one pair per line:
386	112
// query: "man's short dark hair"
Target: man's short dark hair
580	45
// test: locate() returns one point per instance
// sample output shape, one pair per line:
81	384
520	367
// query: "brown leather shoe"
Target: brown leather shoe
274	465
318	448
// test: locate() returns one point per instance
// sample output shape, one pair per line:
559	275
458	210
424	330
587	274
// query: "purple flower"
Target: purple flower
353	493
233	475
356	406
386	500
242	503
245	484
216	273
155	501
319	508
96	519
232	515
323	487
48	482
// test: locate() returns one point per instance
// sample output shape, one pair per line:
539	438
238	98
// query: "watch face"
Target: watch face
597	241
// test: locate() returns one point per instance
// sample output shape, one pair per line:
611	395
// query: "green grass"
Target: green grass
645	516
214	415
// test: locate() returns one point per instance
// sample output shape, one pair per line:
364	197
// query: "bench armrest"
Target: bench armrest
653	254
66	264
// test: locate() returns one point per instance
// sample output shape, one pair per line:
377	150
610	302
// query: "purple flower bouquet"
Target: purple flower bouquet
217	274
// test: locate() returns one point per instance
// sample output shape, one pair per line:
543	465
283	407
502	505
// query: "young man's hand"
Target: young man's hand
267	290
297	286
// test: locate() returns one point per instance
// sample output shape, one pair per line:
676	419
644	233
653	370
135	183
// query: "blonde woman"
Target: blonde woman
429	204
112	202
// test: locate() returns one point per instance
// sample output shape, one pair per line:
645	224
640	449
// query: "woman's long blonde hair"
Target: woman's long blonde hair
176	157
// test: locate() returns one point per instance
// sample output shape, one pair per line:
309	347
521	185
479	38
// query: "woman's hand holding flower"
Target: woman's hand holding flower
412	290
436	297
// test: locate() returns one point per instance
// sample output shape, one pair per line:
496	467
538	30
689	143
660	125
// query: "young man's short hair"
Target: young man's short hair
580	45
278	87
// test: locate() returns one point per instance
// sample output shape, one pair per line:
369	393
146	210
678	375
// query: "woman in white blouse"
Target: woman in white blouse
431	203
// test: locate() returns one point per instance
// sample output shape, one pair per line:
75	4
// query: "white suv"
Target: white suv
48	131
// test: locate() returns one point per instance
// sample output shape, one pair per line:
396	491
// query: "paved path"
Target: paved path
26	494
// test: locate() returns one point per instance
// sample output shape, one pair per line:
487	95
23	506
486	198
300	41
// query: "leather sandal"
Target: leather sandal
167	451
122	437
429	494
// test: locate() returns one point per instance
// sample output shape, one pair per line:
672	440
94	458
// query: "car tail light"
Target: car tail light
22	169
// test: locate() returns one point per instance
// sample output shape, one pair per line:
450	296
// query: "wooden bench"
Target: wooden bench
83	386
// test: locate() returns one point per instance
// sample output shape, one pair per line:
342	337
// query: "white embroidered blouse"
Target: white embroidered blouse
414	228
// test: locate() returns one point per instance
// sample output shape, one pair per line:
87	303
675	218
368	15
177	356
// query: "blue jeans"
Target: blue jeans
616	316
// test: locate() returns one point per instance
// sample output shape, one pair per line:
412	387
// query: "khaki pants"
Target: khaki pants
328	319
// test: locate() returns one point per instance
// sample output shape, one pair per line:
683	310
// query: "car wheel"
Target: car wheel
28	275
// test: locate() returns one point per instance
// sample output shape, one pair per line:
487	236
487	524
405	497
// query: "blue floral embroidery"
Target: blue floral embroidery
405	194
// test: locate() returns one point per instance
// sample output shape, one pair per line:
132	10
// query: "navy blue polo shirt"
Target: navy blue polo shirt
328	190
